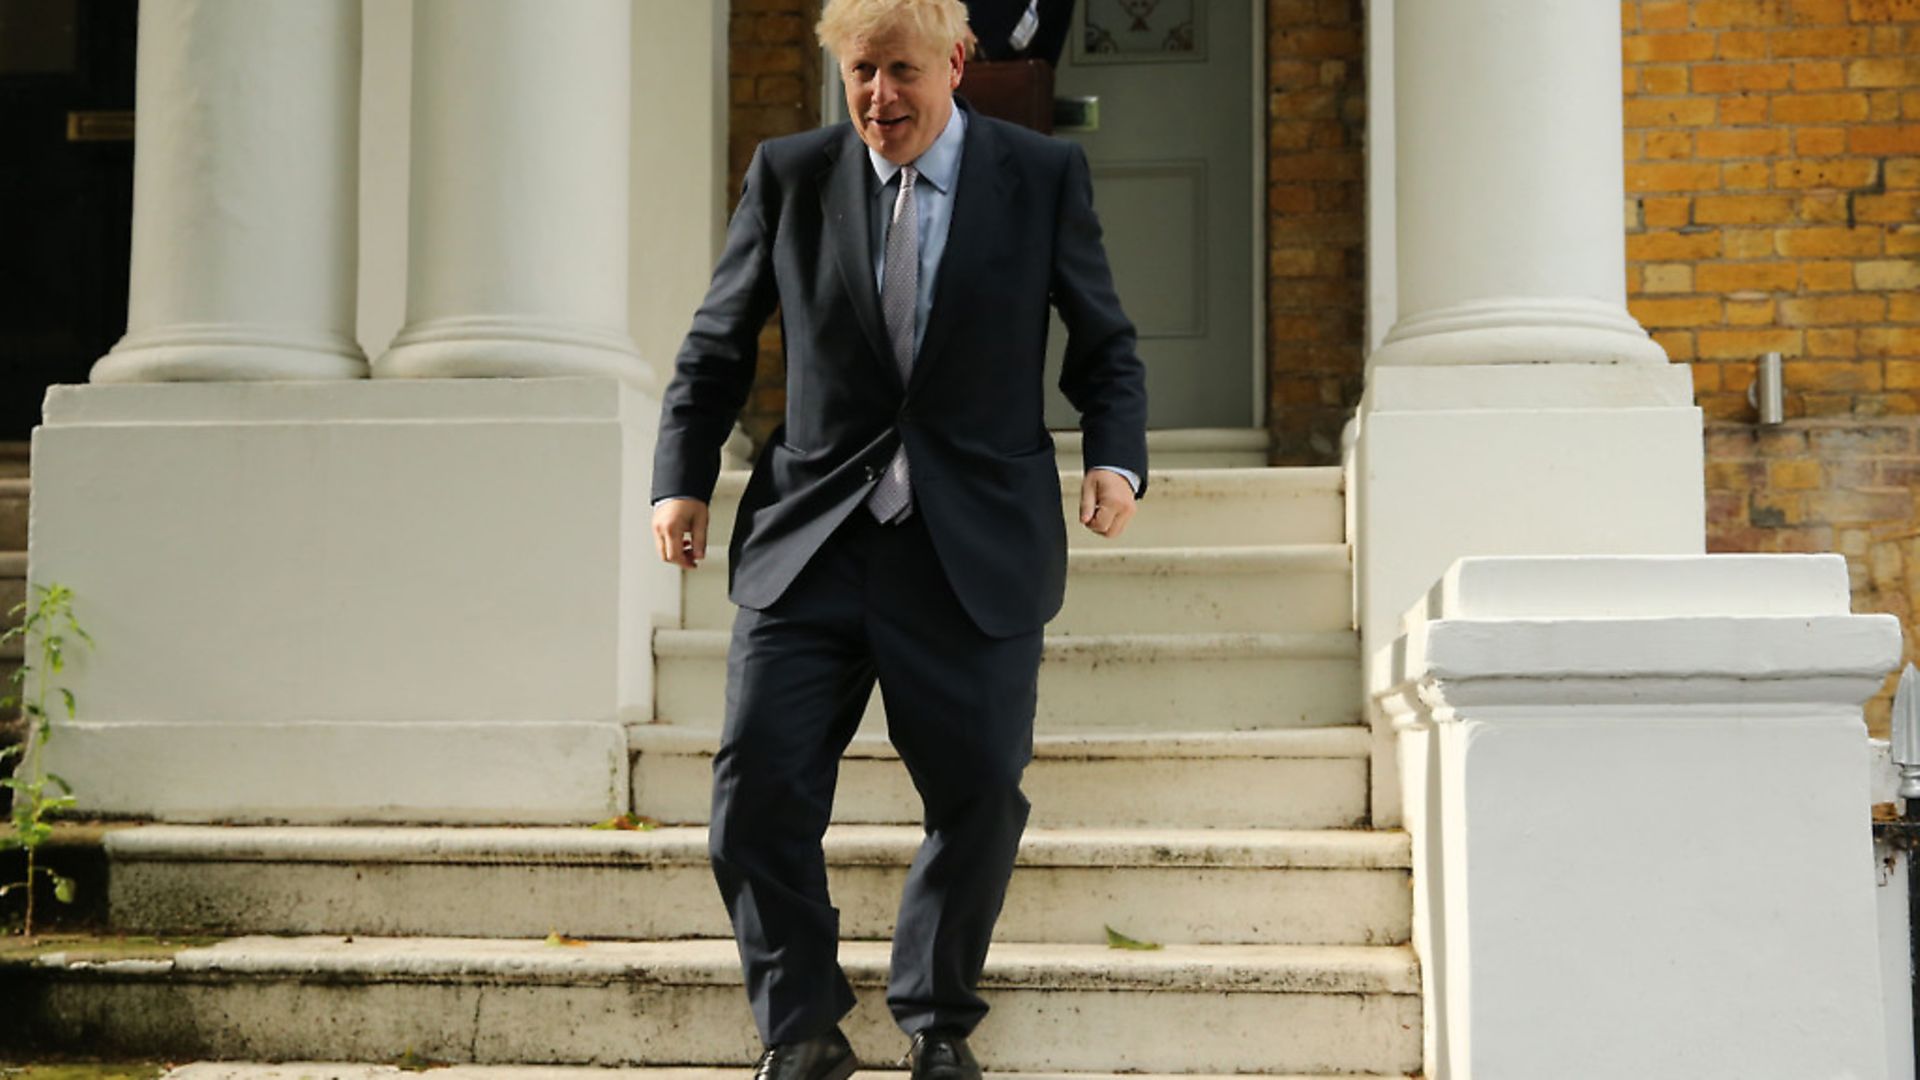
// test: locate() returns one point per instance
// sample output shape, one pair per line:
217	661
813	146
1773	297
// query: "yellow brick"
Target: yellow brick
1813	242
1663	79
1820	142
1903	374
1884	71
1677	343
1746	344
1820	12
1750	312
1742	45
1721	78
1833	344
1885	139
1819	75
1903	172
1823	207
1746	176
1658	213
1831	310
1691	311
1738	277
1890	341
1910	104
1818	108
1706	377
1656	48
1664	15
1887	274
1633	144
1742	209
1669	246
1889	209
1739	13
1668	112
1830	41
1667	278
1903	307
1748	243
1834	172
1851	376
1668	144
1743	108
1673	177
1826	276
1883	106
1741	143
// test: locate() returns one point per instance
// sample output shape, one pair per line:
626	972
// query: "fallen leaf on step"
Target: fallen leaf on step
630	822
1118	940
558	938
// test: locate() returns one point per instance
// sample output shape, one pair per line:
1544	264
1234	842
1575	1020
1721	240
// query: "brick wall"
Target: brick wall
1316	225
1773	182
773	75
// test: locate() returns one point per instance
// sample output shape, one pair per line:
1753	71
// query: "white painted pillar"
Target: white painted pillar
518	226
245	186
1637	793
1514	408
1510	186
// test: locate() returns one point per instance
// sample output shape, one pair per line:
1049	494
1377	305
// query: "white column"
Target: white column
1510	188
1637	791
518	227
1514	408
245	184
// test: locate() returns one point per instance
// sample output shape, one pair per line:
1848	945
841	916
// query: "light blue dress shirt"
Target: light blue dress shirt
939	167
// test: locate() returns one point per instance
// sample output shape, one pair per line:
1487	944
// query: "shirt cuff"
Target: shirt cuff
1132	480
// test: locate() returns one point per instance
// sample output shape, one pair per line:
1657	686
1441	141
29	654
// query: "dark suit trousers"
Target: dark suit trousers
872	604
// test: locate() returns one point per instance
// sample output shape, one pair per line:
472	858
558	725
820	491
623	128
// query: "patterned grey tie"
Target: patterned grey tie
891	498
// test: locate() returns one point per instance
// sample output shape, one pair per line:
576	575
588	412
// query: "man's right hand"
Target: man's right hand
680	531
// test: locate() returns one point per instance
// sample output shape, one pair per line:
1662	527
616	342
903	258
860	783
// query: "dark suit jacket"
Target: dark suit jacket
1023	233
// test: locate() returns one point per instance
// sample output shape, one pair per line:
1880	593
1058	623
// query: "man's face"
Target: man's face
900	92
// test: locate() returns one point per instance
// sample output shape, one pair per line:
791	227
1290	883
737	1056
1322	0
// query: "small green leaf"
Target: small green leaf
629	822
68	694
63	889
62	781
1118	940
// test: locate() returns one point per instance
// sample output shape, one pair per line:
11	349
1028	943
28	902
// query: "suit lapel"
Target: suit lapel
843	205
987	183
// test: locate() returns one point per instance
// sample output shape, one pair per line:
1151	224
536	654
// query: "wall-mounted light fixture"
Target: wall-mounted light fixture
1768	392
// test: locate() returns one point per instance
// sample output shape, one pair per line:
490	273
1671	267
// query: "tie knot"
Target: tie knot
907	175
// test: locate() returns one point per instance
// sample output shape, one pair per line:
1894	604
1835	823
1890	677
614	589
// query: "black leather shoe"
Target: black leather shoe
823	1057
942	1057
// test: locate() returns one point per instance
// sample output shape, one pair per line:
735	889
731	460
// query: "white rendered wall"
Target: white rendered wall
386	114
1639	840
399	600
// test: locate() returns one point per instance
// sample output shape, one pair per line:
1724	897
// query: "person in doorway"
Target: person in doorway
903	524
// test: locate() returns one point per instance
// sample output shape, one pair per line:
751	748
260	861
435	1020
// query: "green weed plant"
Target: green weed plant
45	622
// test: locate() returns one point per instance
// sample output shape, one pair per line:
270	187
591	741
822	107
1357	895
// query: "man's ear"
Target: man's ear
958	64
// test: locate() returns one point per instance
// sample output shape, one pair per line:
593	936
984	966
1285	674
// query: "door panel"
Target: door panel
1172	164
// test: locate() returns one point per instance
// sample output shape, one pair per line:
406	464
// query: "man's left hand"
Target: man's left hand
1106	502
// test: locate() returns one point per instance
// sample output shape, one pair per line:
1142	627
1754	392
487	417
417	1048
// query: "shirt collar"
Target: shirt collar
939	163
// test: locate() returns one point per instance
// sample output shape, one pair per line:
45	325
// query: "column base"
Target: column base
1519	330
494	347
227	353
353	600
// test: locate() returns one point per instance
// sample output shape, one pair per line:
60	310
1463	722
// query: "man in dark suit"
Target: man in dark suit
903	525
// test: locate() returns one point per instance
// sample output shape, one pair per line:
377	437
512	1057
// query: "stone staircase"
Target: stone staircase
1214	803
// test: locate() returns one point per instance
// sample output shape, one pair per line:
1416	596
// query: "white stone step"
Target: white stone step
1182	508
1182	1009
351	1070
1103	682
1306	778
1277	588
1257	886
1183	448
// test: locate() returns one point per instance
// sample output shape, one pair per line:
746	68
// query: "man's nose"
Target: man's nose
883	90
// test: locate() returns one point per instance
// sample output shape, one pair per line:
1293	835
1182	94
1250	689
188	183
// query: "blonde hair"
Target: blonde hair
939	22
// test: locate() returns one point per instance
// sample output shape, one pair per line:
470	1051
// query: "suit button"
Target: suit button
872	473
